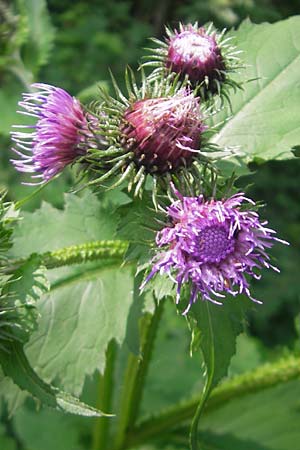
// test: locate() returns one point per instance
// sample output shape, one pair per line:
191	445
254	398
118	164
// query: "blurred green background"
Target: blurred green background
72	44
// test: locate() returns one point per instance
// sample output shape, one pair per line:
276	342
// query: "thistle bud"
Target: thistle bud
163	133
195	53
157	133
202	56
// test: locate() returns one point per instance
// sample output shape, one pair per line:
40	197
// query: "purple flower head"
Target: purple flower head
194	52
215	246
163	133
59	136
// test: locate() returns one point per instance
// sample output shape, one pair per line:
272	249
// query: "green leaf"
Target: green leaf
83	219
20	294
10	394
265	116
217	328
17	367
40	38
77	321
138	225
270	418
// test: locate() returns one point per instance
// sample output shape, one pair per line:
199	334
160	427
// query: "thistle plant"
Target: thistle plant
160	223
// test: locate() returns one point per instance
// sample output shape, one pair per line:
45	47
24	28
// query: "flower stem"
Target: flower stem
136	371
193	437
104	403
264	377
24	200
194	426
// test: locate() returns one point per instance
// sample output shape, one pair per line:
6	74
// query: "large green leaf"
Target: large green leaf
83	219
265	117
77	322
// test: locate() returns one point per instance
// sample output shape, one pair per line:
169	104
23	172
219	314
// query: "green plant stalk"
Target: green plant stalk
264	377
104	402
77	254
24	200
136	371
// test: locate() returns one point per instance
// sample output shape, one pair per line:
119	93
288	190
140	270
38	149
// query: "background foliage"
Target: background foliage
71	44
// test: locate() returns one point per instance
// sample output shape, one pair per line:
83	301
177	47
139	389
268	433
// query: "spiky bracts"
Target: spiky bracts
203	56
62	133
157	132
214	246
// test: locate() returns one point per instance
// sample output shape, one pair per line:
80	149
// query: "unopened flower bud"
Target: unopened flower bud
163	133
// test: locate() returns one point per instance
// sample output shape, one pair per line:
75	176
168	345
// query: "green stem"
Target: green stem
195	422
206	392
136	371
263	377
24	200
104	403
86	275
77	254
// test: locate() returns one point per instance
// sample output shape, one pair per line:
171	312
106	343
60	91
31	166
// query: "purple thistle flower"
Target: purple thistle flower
194	52
60	135
213	245
163	133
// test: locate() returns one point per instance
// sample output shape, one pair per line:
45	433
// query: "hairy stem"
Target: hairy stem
104	403
263	377
76	254
136	371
